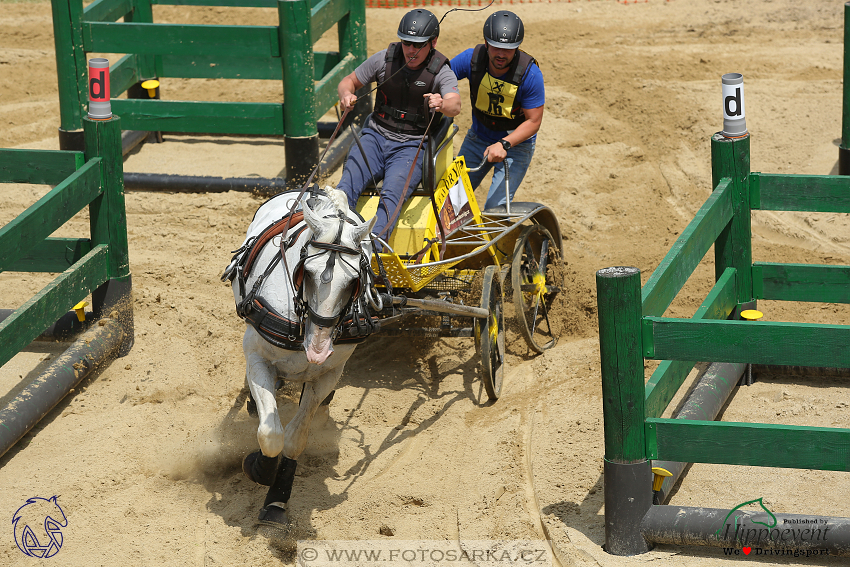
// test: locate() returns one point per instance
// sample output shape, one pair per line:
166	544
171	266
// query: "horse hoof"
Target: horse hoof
251	406
275	516
260	468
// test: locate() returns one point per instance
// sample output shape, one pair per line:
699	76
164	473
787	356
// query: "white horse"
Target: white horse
326	255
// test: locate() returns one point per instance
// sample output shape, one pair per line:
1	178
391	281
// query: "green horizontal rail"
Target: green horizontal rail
41	167
685	254
220	67
50	212
326	89
749	444
220	3
107	10
123	74
53	255
671	374
801	282
69	288
757	342
325	14
257	118
810	193
181	39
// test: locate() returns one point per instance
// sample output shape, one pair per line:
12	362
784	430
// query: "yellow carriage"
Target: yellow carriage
429	269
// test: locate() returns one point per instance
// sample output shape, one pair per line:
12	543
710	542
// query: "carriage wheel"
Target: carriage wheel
533	295
490	335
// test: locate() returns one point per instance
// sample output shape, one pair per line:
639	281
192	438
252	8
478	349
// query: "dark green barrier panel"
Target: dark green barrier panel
181	39
50	212
218	67
685	254
41	311
801	282
41	167
809	193
749	444
219	3
123	75
258	118
107	10
670	374
757	342
53	255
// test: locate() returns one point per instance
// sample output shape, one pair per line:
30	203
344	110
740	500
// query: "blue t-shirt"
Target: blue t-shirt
531	93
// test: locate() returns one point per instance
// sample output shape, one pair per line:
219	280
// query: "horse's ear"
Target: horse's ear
311	218
364	228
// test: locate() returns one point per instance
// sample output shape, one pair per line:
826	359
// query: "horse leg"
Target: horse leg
324	411
261	466
250	404
274	510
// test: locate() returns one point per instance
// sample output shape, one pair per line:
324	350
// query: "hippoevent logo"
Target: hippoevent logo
742	530
38	527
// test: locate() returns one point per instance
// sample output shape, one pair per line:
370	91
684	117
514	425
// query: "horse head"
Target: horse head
332	271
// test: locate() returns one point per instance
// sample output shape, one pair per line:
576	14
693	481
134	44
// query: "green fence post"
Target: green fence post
628	478
108	222
142	13
70	71
844	148
730	157
301	137
351	31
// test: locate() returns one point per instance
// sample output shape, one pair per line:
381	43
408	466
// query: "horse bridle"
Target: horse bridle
333	249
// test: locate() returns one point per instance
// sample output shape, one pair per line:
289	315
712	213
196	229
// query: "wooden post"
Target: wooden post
108	222
301	138
730	157
142	13
844	148
628	478
70	70
351	31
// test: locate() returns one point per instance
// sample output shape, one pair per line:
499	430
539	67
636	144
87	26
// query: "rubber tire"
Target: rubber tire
532	237
492	334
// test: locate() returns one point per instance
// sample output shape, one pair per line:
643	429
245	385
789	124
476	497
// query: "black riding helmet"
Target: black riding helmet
418	26
503	29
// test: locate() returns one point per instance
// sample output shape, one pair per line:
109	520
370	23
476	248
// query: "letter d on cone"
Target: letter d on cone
99	106
734	119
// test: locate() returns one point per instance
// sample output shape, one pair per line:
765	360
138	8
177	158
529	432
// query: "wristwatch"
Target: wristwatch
505	144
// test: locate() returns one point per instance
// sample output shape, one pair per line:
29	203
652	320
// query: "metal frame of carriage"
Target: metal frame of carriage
510	246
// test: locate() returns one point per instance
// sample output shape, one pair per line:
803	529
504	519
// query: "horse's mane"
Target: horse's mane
334	201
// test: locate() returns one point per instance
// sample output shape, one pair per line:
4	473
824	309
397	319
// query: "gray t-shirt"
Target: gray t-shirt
372	70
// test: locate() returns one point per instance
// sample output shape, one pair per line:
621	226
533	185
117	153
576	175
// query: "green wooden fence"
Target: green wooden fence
282	52
632	328
97	264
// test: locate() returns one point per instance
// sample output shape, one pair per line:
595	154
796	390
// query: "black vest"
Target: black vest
498	108
400	105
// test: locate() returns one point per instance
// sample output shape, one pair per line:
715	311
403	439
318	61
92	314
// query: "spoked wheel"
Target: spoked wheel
533	294
490	334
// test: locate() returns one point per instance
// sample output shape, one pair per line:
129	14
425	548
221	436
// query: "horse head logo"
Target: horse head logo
37	525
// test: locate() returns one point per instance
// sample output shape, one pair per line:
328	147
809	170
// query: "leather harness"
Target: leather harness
351	325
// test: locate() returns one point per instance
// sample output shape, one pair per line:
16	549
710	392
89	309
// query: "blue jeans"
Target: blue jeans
388	160
518	160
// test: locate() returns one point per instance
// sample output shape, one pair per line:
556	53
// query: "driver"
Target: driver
413	79
506	88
